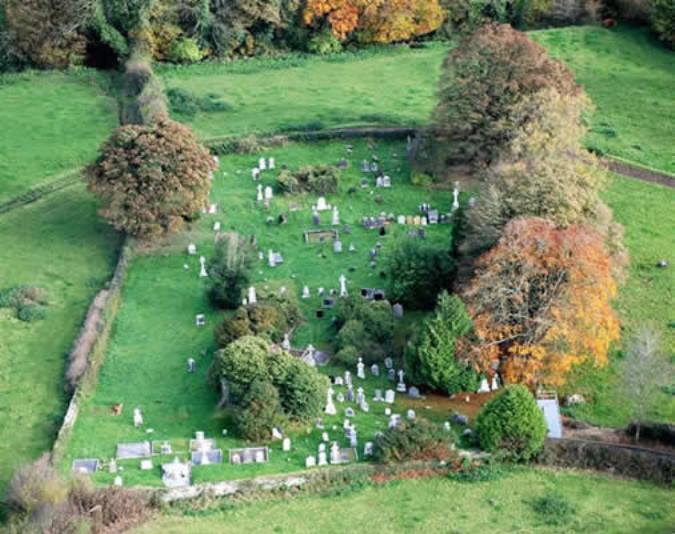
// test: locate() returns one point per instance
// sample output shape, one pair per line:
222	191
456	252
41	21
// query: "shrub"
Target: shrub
421	179
483	78
553	509
151	178
662	14
35	485
431	359
185	102
319	179
230	270
418	272
259	411
233	327
185	50
367	328
513	424
348	356
323	43
416	439
28	302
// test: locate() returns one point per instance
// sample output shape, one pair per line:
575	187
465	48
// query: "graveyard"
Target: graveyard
165	293
469	292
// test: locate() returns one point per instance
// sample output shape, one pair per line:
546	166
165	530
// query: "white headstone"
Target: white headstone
305	292
261	164
255	173
310	461
259	193
343	286
138	417
484	386
216	226
335	218
389	396
192	249
268	193
286	445
323	460
455	196
410	414
202	267
360	369
270	163
118	481
334	453
252	297
321	204
330	405
368	448
286	343
495	383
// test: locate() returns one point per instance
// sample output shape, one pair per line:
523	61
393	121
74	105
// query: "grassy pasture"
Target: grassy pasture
60	244
599	504
155	332
52	122
630	77
387	86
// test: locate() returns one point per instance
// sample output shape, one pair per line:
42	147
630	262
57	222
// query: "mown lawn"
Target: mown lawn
155	330
58	244
52	122
630	77
388	86
598	504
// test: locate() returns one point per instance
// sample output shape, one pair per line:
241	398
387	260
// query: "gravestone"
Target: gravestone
414	393
389	396
310	461
133	451
176	474
85	466
375	370
397	310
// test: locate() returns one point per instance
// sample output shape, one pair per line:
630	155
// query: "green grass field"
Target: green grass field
59	244
599	504
389	86
646	212
52	122
630	77
155	332
627	73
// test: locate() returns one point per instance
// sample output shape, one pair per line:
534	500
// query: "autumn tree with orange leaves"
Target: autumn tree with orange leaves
540	302
376	21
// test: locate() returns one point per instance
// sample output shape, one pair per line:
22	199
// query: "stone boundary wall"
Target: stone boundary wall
616	165
91	345
40	191
623	460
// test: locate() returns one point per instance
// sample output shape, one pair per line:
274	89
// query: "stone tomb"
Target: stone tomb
321	236
85	466
134	451
206	457
176	474
249	455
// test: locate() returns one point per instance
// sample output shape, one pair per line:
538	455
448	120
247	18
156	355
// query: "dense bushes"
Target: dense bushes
41	501
271	318
250	366
151	178
365	329
430	359
319	179
186	103
230	270
418	272
512	424
415	439
28	302
662	14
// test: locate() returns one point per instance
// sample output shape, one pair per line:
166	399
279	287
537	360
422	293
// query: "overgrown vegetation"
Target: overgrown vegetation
318	179
230	270
416	439
29	303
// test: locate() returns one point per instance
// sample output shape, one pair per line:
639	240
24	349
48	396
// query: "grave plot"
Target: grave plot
162	346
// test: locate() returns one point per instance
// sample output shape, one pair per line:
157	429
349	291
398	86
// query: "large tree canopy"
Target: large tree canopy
541	302
151	177
483	81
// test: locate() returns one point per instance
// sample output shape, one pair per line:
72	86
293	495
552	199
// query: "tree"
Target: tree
540	301
512	423
47	33
259	412
662	14
483	78
151	178
230	270
431	359
376	21
645	370
242	362
418	272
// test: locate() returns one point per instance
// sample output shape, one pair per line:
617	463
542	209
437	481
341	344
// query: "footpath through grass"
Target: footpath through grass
155	330
630	77
51	122
596	504
58	244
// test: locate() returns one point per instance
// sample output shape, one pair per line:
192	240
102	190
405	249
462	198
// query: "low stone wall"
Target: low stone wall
622	460
90	347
